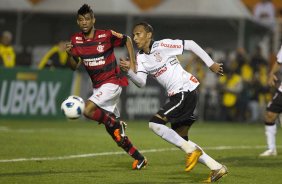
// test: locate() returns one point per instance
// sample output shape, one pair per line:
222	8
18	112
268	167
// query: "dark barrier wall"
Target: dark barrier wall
27	93
142	103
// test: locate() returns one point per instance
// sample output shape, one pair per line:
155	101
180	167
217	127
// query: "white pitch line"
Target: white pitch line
122	152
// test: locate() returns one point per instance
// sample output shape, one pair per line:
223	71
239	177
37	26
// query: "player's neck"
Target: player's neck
90	34
147	47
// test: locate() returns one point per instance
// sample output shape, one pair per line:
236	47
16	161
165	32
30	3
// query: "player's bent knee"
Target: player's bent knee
151	125
156	128
270	117
88	113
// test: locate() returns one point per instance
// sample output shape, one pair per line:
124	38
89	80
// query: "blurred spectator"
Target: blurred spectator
246	73
240	59
7	53
264	12
56	57
230	88
255	89
258	59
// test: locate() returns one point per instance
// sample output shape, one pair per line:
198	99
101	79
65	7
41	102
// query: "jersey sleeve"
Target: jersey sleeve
171	47
140	70
74	51
279	56
139	78
118	39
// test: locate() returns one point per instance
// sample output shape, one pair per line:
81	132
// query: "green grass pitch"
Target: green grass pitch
81	152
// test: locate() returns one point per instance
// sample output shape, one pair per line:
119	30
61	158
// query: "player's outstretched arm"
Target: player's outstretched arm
194	47
217	68
124	65
139	78
74	62
130	50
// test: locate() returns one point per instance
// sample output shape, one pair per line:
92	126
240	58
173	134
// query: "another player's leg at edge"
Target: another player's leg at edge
116	128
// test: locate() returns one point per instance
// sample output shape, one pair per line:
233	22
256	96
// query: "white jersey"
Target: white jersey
162	64
279	60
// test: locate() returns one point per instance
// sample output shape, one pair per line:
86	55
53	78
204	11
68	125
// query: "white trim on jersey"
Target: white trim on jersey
279	61
182	98
279	56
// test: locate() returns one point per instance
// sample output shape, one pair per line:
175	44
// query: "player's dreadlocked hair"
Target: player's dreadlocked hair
148	28
84	9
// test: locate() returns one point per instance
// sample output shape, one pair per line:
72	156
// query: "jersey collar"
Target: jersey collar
151	44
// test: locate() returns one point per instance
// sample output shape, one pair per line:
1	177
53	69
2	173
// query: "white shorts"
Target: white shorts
107	97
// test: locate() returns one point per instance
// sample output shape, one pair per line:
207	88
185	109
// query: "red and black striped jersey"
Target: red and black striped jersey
98	58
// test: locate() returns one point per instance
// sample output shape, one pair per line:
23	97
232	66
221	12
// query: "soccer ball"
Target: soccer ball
73	107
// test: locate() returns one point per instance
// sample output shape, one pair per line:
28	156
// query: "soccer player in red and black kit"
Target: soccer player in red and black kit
95	50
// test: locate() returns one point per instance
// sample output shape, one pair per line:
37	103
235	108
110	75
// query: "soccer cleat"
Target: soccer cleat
123	127
119	133
192	159
217	174
268	153
139	164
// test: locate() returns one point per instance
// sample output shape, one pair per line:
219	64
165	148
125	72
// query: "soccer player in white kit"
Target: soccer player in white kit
273	109
158	59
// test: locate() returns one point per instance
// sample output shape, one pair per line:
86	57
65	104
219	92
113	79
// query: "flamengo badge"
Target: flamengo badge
100	48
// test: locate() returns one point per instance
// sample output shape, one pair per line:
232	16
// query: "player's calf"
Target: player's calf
119	133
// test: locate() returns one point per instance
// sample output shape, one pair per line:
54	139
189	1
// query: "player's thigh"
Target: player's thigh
106	96
270	116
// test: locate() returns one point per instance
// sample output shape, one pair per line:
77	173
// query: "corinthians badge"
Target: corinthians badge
158	57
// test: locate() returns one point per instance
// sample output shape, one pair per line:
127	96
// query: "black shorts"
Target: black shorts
275	105
180	108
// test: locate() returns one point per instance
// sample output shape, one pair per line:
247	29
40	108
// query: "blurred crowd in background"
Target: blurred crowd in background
240	95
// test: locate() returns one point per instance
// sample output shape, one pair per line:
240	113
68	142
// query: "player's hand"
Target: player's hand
217	68
272	79
124	64
68	48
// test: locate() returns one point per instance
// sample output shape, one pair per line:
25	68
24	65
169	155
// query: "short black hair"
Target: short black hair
148	28
84	9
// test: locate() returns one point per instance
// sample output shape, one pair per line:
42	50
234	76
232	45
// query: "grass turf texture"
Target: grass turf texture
51	145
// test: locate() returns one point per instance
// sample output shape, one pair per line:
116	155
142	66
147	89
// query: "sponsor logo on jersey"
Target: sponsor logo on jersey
100	48
158	57
78	38
102	36
158	71
173	61
170	45
94	61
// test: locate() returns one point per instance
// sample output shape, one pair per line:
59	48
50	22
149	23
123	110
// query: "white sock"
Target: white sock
172	137
270	132
207	160
187	146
